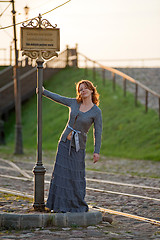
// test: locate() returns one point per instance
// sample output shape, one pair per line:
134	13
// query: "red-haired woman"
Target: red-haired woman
68	184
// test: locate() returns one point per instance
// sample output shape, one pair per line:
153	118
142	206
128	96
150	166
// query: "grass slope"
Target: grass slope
128	132
3	67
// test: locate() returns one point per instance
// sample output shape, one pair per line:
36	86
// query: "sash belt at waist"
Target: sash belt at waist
75	134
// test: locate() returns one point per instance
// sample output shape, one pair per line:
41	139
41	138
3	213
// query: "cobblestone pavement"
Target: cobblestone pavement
146	173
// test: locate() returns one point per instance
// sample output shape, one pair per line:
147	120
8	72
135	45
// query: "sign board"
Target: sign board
40	39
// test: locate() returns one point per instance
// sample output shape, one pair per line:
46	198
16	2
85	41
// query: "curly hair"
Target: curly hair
95	94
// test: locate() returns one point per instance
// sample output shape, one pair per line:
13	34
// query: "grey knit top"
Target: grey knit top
80	121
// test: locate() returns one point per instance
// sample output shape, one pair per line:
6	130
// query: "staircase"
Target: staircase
28	78
28	81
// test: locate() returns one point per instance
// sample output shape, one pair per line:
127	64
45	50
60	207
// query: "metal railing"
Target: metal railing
138	86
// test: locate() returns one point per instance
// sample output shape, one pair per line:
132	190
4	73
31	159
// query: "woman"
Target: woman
68	184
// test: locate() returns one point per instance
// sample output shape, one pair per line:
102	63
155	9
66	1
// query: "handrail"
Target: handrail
113	70
126	77
130	79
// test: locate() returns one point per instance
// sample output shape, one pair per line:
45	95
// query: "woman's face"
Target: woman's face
84	91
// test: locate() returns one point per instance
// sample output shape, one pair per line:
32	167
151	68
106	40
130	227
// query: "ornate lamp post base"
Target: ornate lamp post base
39	172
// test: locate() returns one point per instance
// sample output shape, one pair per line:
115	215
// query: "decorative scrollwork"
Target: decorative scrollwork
31	53
33	23
48	54
39	23
39	54
46	24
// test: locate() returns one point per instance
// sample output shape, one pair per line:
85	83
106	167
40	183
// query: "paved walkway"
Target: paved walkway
124	171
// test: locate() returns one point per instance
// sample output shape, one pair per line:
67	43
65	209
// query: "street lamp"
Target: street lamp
36	45
26	10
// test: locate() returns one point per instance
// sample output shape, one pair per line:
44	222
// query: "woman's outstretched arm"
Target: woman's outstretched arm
57	98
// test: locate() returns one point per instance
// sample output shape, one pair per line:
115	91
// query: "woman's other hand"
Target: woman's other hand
95	157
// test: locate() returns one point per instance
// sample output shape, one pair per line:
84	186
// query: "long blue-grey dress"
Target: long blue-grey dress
68	185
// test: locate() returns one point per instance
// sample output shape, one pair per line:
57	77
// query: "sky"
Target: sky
103	29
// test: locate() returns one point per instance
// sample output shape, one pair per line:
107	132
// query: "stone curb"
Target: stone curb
24	221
